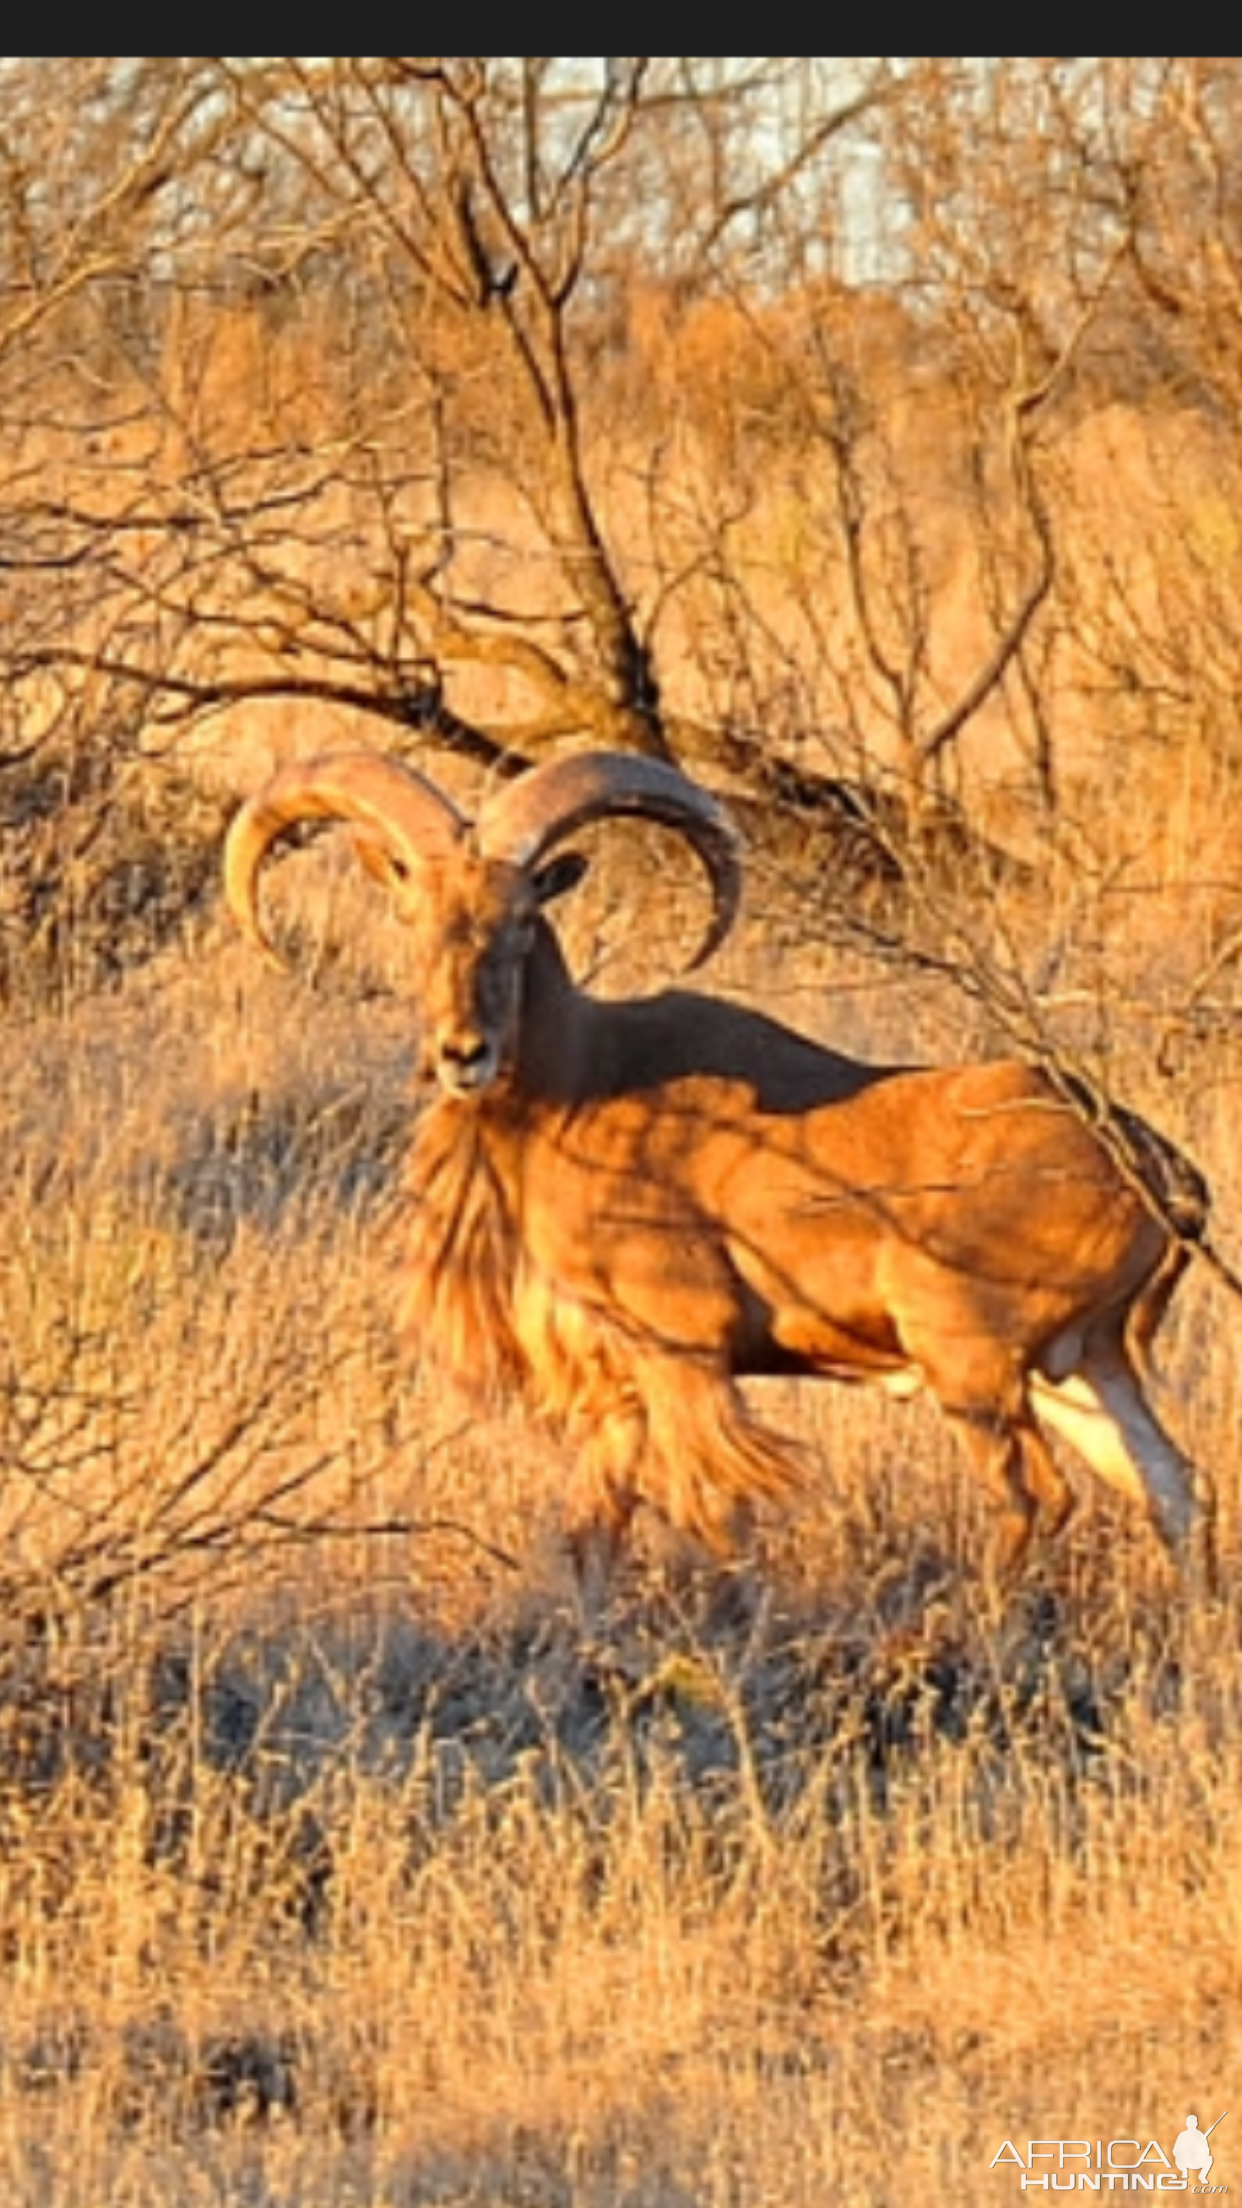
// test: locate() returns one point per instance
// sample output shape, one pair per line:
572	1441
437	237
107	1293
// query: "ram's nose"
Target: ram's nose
466	1063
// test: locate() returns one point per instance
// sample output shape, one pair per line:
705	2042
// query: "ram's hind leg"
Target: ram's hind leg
1016	1466
1101	1411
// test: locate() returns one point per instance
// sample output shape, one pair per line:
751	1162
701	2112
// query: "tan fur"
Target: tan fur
615	1212
648	1421
460	1262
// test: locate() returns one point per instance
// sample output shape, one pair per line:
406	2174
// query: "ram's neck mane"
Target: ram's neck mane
459	1255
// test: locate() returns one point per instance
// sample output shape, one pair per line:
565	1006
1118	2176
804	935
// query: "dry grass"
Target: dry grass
337	1866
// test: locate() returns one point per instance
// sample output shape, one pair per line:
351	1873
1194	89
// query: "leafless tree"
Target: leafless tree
750	412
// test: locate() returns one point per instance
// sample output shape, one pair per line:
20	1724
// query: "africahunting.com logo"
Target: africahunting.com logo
1116	2165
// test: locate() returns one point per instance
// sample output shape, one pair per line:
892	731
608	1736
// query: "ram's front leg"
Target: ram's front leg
602	1497
682	1441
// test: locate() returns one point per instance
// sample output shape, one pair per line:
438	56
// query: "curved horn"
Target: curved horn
526	820
413	817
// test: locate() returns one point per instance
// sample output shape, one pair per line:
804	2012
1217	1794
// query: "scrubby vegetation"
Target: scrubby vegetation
478	408
338	1864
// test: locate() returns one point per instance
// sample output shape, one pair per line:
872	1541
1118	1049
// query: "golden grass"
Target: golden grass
336	1865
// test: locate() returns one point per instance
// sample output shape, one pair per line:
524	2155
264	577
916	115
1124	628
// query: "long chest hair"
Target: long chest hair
458	1243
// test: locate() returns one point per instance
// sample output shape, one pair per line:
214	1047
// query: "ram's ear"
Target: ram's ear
563	872
378	857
